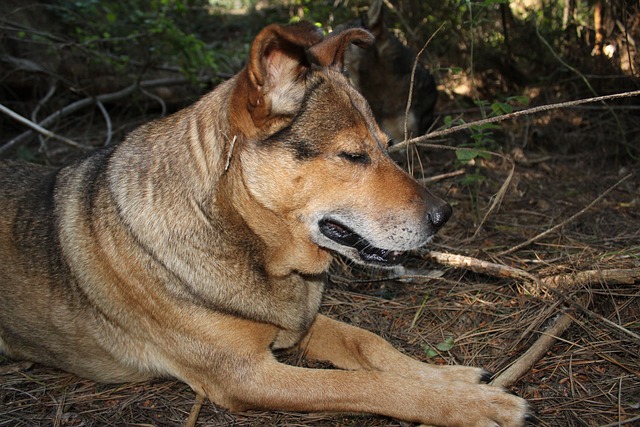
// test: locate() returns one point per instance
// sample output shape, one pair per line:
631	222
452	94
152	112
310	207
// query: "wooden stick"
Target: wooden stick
613	276
524	363
195	411
479	266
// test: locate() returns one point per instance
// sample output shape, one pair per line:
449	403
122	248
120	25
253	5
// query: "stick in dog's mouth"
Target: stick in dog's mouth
342	235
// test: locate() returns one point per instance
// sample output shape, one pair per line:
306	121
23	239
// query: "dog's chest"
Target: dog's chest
294	311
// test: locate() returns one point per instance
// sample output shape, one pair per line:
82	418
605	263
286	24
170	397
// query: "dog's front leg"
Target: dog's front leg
349	347
260	381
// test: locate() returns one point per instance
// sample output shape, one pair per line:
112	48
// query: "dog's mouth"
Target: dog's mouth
367	252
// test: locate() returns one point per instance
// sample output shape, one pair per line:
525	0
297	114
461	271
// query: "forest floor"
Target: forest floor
558	258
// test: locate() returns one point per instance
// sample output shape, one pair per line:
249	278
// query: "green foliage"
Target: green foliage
444	346
482	135
325	13
146	32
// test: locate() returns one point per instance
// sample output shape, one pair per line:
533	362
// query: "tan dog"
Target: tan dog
197	246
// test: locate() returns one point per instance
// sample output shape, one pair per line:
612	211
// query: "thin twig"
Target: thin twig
499	196
107	120
565	222
440	177
513	115
411	84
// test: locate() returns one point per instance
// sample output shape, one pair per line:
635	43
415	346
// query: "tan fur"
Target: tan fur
197	246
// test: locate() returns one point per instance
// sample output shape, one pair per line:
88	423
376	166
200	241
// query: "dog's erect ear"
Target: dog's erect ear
330	51
279	48
277	59
375	19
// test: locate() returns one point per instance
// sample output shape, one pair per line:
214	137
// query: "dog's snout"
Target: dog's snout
439	214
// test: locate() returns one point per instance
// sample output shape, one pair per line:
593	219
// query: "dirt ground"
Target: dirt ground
573	182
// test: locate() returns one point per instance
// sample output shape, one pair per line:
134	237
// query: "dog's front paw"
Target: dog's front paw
498	408
480	405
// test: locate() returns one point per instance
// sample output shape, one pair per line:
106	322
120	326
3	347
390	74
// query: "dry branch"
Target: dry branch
37	128
90	101
478	266
613	276
524	363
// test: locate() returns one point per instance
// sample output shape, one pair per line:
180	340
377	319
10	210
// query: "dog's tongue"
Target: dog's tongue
340	234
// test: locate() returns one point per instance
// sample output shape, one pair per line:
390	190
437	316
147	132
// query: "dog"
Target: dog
196	248
383	75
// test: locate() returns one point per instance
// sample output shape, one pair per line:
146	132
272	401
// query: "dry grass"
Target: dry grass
590	376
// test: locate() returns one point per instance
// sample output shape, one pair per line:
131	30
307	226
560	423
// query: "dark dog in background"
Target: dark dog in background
382	74
197	247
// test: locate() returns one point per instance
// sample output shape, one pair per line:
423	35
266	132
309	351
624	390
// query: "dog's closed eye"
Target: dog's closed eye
359	158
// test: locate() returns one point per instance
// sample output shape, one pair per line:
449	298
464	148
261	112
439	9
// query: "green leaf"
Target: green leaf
500	108
446	345
467	154
428	351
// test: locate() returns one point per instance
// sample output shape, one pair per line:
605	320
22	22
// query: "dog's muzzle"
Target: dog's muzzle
368	253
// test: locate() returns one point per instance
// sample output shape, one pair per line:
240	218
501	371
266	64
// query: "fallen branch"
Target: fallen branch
90	101
523	364
37	128
479	266
614	276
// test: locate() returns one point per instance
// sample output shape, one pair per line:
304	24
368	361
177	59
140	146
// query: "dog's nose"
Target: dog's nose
440	214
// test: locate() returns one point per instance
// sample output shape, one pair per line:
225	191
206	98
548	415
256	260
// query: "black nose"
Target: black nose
440	214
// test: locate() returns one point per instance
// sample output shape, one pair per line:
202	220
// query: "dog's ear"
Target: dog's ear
277	60
375	19
330	51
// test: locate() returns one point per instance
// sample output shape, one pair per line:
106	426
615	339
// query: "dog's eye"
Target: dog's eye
360	158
